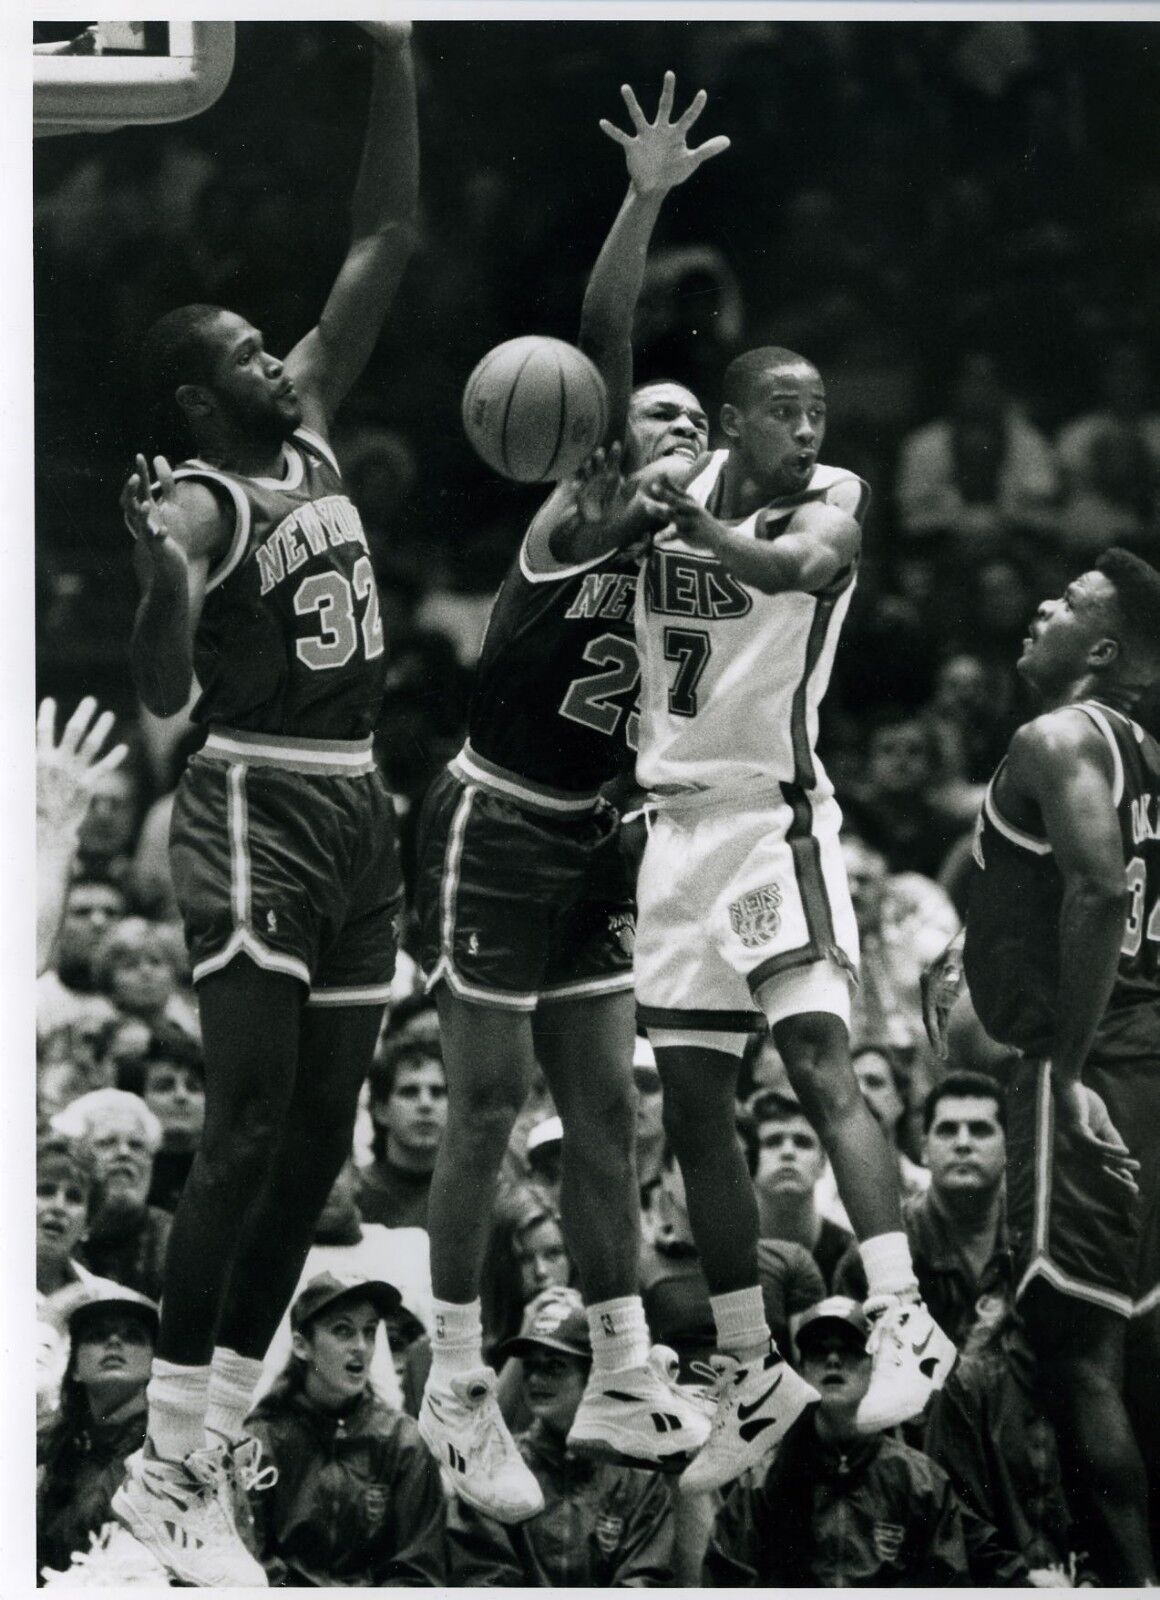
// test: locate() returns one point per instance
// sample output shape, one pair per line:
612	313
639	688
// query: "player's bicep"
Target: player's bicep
820	542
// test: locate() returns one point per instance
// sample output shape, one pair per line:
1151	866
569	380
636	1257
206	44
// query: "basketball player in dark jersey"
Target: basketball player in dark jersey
256	577
1064	966
526	907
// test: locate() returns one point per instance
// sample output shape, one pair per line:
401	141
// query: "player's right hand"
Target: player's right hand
657	156
1082	1114
151	517
941	983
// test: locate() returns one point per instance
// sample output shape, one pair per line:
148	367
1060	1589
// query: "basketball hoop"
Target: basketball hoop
109	76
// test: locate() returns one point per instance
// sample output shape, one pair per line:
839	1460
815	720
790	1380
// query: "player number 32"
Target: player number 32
333	597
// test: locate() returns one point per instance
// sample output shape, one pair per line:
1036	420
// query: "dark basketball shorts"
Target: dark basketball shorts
1071	1224
286	850
516	907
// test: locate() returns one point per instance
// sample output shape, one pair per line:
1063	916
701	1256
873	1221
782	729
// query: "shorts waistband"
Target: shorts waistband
695	802
470	767
347	758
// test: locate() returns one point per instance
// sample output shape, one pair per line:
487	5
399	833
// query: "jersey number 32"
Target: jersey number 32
333	597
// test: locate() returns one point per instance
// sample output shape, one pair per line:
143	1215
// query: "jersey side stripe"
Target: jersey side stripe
1105	727
803	761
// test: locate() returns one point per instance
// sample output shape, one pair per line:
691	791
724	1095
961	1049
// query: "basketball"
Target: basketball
535	408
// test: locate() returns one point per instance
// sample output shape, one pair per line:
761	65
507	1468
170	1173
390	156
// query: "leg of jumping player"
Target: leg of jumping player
585	1047
487	1056
911	1352
335	1050
250	1022
1081	1373
759	1396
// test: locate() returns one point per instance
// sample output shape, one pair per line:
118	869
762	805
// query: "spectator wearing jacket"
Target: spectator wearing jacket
957	1231
357	1501
101	1420
602	1526
838	1508
990	1434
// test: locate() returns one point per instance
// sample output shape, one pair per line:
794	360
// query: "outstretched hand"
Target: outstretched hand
691	522
657	156
600	490
152	516
68	772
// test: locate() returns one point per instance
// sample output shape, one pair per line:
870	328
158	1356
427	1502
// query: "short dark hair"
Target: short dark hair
1137	587
396	1055
166	1043
964	1083
174	351
770	1105
743	371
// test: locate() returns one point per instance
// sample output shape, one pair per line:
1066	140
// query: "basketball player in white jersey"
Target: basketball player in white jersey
744	913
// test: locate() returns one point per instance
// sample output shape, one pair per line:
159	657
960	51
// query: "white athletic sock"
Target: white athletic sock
178	1397
457	1343
619	1334
742	1330
232	1381
889	1269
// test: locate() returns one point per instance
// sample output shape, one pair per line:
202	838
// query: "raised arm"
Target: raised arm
1062	765
658	159
180	529
325	364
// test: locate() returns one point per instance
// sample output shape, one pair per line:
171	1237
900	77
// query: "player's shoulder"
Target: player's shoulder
1055	743
838	486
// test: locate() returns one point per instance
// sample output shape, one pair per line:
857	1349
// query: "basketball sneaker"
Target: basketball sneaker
181	1511
912	1357
757	1403
464	1431
640	1417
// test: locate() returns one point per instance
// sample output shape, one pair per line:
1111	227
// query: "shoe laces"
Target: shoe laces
246	1469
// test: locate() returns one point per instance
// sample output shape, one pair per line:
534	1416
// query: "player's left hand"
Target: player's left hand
390	34
1082	1114
657	156
68	772
600	490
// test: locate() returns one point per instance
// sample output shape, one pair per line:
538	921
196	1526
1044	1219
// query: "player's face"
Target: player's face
665	420
253	393
416	1110
779	431
62	1205
1064	631
113	1353
965	1148
789	1157
553	1385
338	1346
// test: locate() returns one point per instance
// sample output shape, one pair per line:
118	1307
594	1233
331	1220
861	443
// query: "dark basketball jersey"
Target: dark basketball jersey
555	689
290	639
1011	956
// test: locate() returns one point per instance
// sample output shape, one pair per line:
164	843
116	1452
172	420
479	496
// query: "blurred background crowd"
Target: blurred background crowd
960	224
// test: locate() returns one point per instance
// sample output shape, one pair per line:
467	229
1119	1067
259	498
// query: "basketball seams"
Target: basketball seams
561	415
531	407
513	390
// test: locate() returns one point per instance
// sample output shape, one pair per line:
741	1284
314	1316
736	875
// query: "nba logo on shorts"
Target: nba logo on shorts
755	917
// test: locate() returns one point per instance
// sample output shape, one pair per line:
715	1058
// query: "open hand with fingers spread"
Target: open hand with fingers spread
154	516
656	153
600	490
691	522
68	772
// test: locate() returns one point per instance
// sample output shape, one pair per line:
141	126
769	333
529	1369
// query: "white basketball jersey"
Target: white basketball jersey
731	679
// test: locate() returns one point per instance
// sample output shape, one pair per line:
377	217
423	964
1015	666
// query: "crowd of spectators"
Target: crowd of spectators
980	291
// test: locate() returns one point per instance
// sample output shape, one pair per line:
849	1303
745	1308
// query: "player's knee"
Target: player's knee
691	1127
244	1141
485	1112
605	1121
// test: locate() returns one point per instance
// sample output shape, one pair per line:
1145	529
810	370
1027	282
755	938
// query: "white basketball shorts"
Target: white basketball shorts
732	898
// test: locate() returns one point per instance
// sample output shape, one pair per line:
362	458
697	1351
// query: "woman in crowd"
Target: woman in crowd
100	1423
357	1501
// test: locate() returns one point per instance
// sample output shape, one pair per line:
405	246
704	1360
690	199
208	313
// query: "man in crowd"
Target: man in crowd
957	1235
790	1163
839	1508
408	1108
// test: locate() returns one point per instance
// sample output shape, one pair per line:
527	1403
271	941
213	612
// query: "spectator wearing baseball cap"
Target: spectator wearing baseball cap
357	1501
602	1526
111	1333
838	1508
